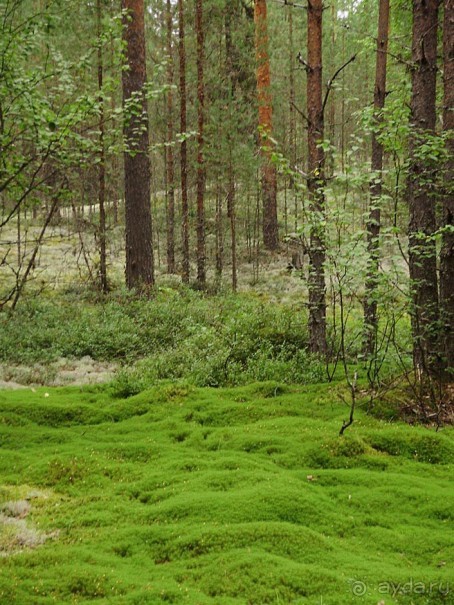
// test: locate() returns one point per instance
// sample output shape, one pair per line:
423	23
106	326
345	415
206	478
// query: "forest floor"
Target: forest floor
240	496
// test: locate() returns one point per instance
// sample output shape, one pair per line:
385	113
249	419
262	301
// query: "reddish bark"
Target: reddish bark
269	178
316	181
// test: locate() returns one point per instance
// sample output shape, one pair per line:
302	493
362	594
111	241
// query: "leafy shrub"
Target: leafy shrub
210	341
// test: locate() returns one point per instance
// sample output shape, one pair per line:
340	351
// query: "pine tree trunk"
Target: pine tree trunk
184	146
316	181
170	162
373	225
139	247
102	161
269	177
232	75
201	176
219	235
332	101
422	252
447	249
292	96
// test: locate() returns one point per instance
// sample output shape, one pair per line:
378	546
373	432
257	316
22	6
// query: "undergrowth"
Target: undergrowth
210	341
177	335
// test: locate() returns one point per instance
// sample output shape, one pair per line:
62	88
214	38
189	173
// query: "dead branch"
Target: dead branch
331	81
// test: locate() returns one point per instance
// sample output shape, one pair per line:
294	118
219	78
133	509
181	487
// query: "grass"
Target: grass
240	496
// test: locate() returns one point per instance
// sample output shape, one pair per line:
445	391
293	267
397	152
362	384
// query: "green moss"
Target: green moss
220	497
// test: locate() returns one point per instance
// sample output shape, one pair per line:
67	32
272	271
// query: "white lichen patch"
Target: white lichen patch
63	372
16	532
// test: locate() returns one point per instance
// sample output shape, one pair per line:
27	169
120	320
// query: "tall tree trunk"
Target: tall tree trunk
184	146
269	177
316	181
170	162
201	176
102	161
422	252
447	249
292	95
373	225
332	103
232	75
139	246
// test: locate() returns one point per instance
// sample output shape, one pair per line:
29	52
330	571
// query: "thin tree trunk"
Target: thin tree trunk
170	162
201	174
269	177
373	225
231	211
232	215
342	133
219	235
316	181
447	249
102	161
332	105
292	97
139	245
422	252
184	146
31	263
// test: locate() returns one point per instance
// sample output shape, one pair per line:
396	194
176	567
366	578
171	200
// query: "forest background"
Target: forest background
309	165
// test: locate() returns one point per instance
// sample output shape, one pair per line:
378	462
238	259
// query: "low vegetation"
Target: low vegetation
210	341
222	496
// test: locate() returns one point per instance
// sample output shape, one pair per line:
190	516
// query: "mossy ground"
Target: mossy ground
222	497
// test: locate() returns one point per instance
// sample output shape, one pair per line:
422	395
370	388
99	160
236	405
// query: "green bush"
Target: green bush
210	341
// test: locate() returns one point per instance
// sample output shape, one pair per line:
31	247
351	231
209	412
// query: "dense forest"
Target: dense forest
226	302
229	141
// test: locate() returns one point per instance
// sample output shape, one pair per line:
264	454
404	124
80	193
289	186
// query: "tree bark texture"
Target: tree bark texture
102	160
139	247
421	193
269	177
316	180
373	225
447	249
232	74
201	270
170	161
184	145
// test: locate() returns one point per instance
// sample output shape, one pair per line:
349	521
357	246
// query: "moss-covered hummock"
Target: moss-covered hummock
237	496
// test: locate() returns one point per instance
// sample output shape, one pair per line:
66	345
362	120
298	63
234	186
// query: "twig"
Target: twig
351	419
291	4
302	114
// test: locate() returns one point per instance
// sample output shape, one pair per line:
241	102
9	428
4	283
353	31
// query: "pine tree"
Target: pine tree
170	160
139	246
184	145
373	225
269	177
201	176
421	191
316	181
447	249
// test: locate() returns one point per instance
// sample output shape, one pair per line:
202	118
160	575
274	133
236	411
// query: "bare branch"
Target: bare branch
331	81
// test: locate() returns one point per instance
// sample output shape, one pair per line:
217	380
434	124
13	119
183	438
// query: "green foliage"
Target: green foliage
209	341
